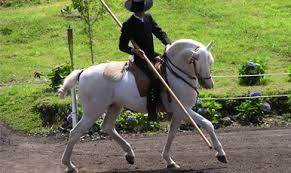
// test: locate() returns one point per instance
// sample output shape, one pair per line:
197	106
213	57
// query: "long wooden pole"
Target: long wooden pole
160	78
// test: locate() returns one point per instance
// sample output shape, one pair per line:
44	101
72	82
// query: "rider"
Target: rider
140	27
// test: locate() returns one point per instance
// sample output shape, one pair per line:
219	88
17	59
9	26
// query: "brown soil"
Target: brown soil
248	150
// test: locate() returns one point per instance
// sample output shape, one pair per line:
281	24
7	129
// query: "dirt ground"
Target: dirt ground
248	150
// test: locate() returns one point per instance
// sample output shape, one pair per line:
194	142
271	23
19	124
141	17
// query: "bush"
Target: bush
135	122
58	74
209	110
288	117
281	105
251	68
66	10
253	111
52	111
131	122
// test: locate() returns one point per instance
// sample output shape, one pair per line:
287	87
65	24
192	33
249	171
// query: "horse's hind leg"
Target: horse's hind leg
108	126
83	125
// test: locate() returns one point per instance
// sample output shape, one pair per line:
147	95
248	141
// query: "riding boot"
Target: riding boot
152	100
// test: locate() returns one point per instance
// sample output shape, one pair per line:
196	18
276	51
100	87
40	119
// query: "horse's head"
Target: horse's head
194	58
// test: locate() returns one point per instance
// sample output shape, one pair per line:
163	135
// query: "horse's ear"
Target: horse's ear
209	46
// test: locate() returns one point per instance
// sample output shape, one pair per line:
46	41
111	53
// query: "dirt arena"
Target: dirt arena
249	150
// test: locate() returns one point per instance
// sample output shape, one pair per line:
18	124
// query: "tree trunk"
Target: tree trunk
91	41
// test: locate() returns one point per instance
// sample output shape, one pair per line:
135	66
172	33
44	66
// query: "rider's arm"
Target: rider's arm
124	39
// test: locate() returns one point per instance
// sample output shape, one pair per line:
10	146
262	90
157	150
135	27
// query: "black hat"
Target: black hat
138	5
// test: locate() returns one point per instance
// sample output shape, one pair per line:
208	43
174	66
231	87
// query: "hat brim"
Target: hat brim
147	6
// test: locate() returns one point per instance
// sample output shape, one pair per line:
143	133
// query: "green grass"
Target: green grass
17	103
33	38
16	107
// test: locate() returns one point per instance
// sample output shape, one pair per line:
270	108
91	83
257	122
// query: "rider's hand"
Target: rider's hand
138	52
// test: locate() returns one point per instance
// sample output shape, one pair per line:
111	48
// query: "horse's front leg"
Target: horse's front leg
175	124
207	125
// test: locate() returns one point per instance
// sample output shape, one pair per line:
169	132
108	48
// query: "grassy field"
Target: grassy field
33	38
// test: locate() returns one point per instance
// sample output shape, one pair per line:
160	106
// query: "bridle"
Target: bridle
169	64
195	59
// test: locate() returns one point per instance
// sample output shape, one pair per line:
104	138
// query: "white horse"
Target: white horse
188	59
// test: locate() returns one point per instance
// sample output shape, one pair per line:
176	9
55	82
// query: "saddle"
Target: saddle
115	71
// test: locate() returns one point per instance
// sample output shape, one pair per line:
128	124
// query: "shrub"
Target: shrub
229	107
255	93
67	9
97	125
131	122
251	68
281	105
58	74
51	111
135	122
288	117
253	111
209	110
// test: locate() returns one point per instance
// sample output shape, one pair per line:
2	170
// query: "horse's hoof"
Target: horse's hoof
72	170
129	159
222	159
173	166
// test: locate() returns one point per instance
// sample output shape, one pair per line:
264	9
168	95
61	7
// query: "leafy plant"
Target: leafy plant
90	11
253	111
281	105
51	111
288	117
135	122
58	74
97	125
67	9
209	110
252	68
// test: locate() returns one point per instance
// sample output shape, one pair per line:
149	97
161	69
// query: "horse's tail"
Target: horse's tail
69	82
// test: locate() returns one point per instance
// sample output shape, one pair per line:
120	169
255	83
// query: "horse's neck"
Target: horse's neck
174	53
178	77
182	65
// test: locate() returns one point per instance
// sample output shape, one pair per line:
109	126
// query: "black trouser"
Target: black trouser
154	89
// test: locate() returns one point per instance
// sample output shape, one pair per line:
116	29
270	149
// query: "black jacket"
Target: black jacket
141	33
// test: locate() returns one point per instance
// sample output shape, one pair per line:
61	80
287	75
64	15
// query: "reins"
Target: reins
167	63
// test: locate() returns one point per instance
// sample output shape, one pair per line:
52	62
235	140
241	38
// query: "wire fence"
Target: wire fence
255	75
243	98
44	81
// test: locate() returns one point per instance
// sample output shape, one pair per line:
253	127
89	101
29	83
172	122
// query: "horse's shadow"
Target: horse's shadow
207	170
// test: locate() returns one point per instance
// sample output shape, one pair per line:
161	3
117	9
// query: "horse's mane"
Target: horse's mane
192	43
188	42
